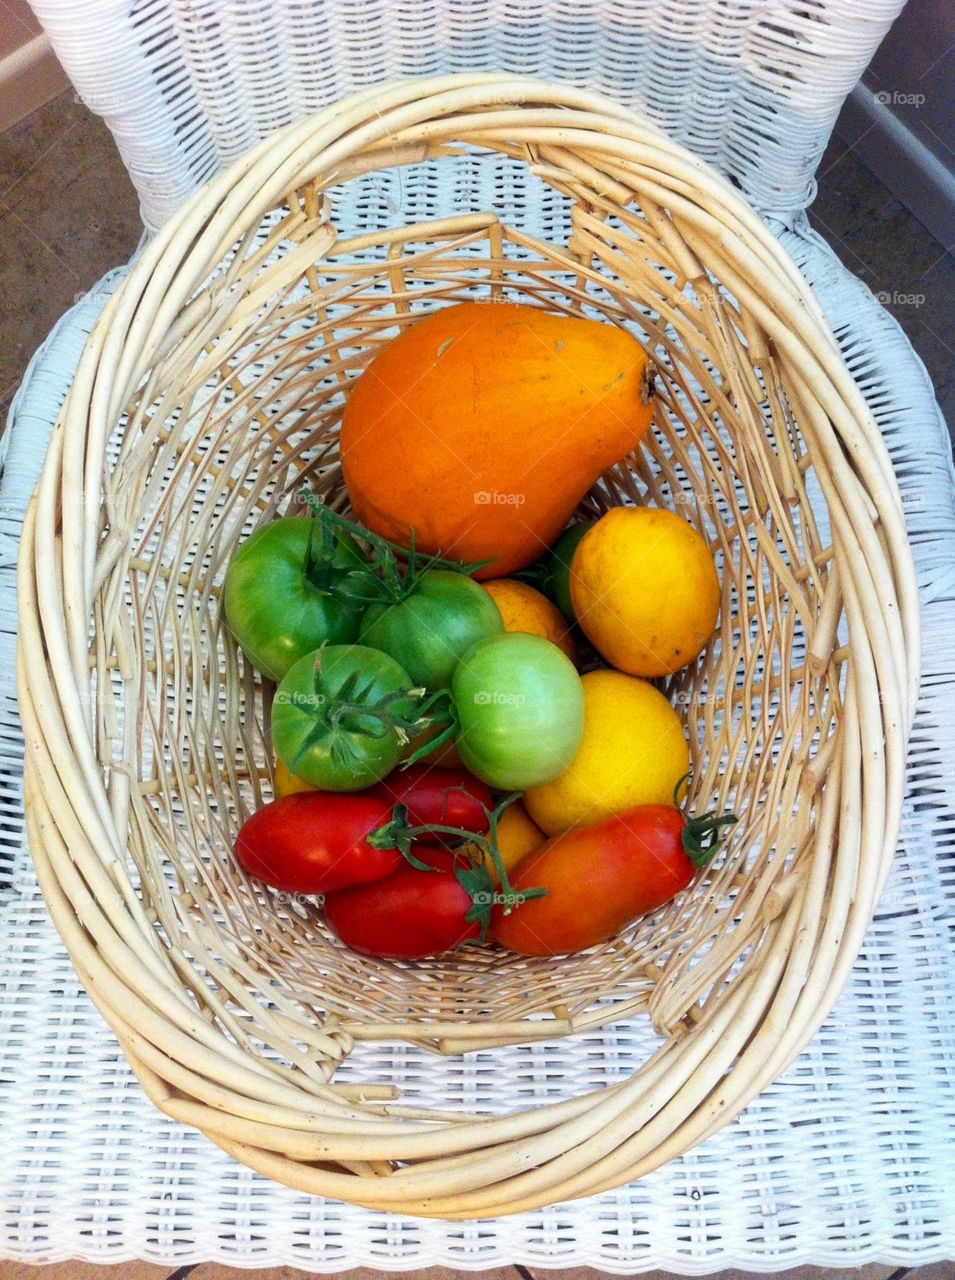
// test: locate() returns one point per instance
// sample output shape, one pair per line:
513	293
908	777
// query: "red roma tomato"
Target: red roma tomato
410	915
316	841
599	878
436	796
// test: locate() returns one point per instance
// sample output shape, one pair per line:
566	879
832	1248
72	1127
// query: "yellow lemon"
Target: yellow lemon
633	752
645	590
523	608
287	784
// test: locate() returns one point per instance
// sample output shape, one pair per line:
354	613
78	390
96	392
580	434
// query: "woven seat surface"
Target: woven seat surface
847	1157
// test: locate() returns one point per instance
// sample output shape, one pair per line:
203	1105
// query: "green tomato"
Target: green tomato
519	706
283	600
342	716
556	576
444	615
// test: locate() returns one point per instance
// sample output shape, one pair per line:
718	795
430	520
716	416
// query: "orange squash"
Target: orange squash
482	426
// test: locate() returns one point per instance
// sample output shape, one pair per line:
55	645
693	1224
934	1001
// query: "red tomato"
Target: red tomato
315	841
599	878
433	795
410	915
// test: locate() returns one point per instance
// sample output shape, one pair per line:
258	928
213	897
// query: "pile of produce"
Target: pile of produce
468	744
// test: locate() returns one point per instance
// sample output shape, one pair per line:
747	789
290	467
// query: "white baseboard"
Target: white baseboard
900	159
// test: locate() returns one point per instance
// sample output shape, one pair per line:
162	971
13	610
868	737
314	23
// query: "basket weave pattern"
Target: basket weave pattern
210	392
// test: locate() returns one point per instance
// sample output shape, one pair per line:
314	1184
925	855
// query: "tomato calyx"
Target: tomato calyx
471	870
701	837
393	572
320	573
351	713
441	711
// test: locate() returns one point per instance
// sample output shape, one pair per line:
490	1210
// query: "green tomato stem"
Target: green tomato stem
702	836
377	718
475	878
383	580
319	573
447	716
380	711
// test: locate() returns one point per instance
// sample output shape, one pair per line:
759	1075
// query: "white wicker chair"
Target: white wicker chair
848	1156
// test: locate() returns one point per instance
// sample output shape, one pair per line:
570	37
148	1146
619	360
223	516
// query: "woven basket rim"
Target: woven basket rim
338	1140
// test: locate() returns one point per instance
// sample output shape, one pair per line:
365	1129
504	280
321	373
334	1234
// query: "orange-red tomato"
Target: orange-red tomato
599	878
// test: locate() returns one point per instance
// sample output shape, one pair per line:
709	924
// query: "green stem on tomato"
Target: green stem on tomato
381	711
348	703
383	581
475	879
448	717
319	572
701	836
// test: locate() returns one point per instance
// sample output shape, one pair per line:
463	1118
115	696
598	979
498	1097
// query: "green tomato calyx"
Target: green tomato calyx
351	711
320	572
473	858
701	837
393	572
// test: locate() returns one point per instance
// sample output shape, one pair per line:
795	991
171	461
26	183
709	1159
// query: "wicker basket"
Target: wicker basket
209	391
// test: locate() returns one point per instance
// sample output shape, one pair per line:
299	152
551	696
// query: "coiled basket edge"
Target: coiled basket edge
208	393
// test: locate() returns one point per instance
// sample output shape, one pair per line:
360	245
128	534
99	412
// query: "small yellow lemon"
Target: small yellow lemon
523	608
633	752
287	784
645	590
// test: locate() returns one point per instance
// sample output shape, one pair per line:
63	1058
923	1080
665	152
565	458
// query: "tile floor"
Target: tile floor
879	241
68	213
